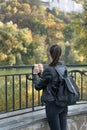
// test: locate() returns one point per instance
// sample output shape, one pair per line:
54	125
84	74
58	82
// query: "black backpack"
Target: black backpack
68	92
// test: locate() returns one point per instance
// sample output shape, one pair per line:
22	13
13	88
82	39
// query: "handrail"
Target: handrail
29	66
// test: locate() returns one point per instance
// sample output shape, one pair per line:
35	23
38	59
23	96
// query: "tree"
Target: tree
80	29
14	43
51	26
37	51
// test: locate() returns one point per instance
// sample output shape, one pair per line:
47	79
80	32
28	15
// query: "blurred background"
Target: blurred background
29	27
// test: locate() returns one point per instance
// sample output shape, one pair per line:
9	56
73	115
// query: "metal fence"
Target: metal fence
17	89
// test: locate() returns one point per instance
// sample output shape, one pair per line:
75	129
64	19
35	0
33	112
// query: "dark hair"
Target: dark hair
55	52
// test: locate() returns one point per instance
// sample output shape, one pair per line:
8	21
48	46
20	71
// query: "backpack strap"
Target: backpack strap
61	70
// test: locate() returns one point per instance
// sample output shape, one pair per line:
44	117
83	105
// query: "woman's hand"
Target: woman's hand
38	68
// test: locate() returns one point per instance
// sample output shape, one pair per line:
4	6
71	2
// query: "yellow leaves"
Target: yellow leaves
34	8
50	16
81	58
15	10
60	26
1	24
26	8
59	35
55	33
78	57
51	24
26	35
3	56
57	26
14	39
9	8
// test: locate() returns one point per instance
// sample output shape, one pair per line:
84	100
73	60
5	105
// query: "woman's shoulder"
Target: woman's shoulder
50	70
47	69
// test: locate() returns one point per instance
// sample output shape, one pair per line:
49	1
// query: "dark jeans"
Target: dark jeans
57	117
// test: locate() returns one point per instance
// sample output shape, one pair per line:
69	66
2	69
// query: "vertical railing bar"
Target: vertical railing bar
79	81
6	93
75	76
13	93
81	86
26	92
20	91
32	93
38	97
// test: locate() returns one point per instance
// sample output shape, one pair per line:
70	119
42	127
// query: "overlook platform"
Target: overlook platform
77	119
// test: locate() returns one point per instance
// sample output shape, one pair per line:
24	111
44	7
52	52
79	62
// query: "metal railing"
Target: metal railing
17	89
